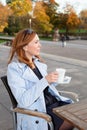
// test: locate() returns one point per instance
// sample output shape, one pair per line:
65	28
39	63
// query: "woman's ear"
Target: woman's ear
25	48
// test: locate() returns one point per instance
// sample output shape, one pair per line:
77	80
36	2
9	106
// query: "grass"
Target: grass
46	38
1	41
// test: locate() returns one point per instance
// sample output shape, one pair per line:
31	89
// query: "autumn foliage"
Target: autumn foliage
4	13
44	16
21	8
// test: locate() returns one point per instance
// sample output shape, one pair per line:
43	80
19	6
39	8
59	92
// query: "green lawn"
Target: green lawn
1	41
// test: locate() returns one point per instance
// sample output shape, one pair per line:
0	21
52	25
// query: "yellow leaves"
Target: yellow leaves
40	13
42	19
21	7
3	26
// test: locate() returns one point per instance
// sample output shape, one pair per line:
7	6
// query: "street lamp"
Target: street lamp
32	12
30	23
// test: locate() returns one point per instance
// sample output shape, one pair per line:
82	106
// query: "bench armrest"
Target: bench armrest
33	113
71	94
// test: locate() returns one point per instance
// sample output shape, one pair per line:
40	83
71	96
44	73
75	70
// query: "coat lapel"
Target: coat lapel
28	74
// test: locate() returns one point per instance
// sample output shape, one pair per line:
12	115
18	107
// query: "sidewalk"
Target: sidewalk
75	68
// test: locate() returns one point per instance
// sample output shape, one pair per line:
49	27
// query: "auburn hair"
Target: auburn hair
22	38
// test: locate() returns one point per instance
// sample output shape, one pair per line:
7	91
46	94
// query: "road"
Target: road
74	49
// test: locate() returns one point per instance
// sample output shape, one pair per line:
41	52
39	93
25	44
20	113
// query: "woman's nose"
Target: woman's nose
39	43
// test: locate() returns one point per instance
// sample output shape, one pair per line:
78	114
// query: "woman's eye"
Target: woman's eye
37	41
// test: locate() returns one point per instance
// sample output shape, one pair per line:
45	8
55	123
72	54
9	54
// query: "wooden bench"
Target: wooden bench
75	113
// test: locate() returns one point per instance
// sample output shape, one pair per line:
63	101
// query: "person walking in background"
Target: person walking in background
31	85
63	39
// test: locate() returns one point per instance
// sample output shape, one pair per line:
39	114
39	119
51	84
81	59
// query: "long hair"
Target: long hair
23	38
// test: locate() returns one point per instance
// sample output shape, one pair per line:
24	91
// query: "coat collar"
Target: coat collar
27	72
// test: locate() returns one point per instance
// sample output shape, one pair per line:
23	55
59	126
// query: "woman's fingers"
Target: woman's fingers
52	77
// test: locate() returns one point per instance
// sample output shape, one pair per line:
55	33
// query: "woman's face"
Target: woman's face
32	48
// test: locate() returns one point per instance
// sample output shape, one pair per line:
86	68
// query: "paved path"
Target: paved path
77	69
74	49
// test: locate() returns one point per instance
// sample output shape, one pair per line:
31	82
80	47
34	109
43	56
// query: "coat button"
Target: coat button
36	110
37	122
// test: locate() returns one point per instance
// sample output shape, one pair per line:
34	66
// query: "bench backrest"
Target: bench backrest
12	98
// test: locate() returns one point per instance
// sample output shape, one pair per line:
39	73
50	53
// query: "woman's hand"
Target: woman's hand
52	77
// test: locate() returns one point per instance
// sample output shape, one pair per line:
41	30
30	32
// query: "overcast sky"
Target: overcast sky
3	1
77	4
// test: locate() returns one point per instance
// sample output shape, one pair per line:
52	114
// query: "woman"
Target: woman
32	87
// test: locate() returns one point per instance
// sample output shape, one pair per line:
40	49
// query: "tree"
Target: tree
39	16
8	1
83	18
42	19
5	12
20	7
23	9
14	25
51	11
20	15
72	20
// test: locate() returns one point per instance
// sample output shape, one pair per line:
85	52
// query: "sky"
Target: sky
3	1
77	4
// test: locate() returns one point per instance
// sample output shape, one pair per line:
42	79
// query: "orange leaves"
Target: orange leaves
52	1
4	13
73	19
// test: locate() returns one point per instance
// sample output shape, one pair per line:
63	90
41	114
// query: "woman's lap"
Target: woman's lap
57	121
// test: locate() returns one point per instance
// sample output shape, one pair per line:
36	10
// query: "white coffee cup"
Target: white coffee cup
61	73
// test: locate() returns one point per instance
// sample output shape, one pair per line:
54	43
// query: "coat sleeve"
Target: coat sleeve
25	97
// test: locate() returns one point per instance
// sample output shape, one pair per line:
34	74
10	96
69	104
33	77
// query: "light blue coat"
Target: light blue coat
28	91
